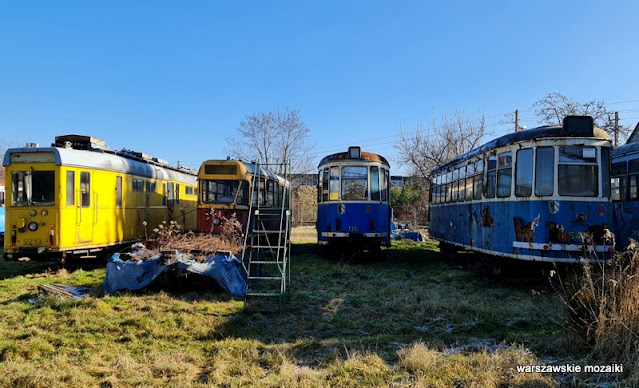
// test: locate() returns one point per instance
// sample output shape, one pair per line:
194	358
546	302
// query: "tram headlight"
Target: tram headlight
33	226
44	212
216	222
32	213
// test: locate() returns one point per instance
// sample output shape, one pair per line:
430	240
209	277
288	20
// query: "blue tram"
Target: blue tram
353	201
542	194
624	178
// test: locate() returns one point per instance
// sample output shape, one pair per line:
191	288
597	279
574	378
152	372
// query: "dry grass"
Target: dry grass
304	235
402	321
602	309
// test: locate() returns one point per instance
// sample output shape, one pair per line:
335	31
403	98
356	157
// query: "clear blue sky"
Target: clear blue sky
174	78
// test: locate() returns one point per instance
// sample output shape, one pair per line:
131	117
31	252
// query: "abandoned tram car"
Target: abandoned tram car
624	175
79	197
353	199
540	194
225	187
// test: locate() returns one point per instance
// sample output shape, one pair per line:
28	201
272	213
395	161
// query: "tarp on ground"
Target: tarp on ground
399	234
134	275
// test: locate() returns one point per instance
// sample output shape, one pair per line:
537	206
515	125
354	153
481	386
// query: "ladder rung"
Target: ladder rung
273	247
267	231
268	294
265	262
264	278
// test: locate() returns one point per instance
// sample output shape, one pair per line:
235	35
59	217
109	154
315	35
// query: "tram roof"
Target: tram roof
364	156
251	168
105	160
528	134
626	149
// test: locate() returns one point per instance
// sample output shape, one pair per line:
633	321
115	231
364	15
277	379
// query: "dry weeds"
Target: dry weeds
602	309
171	237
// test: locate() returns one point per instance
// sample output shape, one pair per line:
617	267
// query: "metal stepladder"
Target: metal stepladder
267	241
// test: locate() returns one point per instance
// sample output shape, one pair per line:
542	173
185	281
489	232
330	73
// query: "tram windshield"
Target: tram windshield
354	183
578	172
32	188
223	192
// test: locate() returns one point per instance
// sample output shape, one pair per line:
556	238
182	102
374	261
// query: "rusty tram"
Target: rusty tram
538	195
225	189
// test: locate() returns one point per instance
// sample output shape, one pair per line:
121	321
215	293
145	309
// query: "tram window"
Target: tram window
334	184
449	186
605	171
618	181
469	188
71	187
188	190
270	193
478	179
171	194
524	173
319	187
504	174
374	183
455	190
33	188
118	191
633	188
354	183
491	179
387	183
383	178
177	193
325	185
633	166
164	194
461	195
577	172
477	186
545	171
85	189
242	196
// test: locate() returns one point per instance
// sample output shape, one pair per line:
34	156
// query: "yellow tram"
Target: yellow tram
79	197
225	187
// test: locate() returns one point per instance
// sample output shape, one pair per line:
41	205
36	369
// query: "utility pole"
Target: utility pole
616	129
516	120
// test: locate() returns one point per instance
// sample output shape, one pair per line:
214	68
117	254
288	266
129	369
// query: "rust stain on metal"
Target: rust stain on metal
486	218
557	233
524	233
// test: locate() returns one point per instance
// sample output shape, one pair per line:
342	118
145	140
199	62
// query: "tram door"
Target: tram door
84	217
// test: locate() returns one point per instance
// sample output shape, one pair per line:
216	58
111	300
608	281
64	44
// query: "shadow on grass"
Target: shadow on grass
411	295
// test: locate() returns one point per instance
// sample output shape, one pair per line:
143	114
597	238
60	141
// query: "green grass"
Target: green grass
408	319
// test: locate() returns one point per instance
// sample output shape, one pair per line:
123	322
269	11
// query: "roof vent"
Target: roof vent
354	152
579	126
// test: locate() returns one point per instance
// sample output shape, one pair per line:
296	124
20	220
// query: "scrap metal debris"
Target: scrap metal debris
62	291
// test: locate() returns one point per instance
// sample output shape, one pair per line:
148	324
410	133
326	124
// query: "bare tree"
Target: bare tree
425	147
555	106
272	138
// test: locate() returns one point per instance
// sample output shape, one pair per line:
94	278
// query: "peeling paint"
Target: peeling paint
486	218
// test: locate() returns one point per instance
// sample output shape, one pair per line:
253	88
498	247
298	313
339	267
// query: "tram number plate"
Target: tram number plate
32	242
353	228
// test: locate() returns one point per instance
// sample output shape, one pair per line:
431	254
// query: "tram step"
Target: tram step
266	294
266	262
267	246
